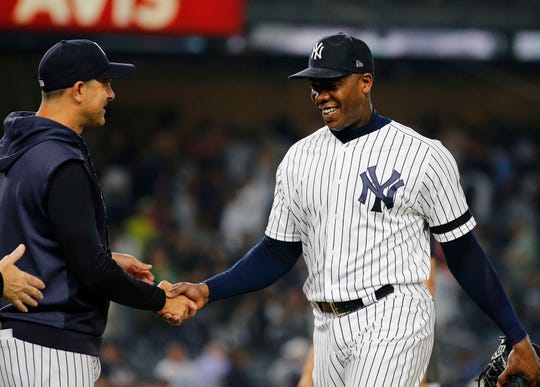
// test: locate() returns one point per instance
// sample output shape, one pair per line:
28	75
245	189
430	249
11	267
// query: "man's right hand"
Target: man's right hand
177	307
199	292
195	293
20	288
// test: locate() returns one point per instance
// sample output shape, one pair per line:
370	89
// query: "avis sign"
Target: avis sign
203	17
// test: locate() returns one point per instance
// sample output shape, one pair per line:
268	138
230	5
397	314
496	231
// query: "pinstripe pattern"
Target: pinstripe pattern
363	211
351	250
24	364
385	344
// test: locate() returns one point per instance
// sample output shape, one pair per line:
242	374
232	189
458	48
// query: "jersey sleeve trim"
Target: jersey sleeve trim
456	223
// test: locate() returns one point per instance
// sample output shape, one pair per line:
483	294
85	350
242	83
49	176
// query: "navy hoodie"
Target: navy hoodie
72	315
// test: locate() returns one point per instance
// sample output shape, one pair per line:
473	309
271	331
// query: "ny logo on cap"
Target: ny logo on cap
316	53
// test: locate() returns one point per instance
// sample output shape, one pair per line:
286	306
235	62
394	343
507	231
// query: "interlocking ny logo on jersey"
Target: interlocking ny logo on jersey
316	52
371	183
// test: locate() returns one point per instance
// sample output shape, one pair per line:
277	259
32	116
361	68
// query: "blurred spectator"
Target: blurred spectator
246	212
176	368
212	365
117	190
159	256
287	369
238	374
115	371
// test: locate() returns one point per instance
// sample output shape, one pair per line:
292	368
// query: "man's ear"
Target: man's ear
366	82
78	90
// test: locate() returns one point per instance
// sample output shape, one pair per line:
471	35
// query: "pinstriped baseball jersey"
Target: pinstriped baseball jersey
363	209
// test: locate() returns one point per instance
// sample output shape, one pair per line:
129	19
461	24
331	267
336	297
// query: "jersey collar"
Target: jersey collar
376	122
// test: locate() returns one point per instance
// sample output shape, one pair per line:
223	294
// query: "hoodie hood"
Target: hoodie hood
23	130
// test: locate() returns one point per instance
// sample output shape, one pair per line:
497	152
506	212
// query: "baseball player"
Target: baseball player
432	374
358	199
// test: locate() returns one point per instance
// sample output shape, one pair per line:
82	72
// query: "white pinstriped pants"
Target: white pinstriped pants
386	344
24	364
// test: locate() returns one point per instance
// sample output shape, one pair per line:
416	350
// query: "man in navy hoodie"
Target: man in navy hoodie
50	200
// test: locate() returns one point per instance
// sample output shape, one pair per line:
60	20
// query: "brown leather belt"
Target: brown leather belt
345	307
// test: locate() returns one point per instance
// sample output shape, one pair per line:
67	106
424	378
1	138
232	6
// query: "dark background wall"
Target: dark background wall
253	90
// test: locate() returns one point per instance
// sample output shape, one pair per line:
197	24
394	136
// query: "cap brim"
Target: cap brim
318	72
117	70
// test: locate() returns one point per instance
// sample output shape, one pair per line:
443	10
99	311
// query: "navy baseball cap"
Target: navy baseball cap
69	61
336	56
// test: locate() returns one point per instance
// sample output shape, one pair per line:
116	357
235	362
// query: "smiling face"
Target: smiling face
344	102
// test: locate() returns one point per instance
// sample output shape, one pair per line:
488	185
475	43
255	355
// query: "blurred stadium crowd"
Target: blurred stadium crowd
191	198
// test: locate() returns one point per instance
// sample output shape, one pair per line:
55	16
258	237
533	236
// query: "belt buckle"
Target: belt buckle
335	310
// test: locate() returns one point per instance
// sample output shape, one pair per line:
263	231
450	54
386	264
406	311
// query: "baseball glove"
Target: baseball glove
498	363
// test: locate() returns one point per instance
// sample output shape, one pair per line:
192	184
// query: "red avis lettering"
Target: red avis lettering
172	17
148	15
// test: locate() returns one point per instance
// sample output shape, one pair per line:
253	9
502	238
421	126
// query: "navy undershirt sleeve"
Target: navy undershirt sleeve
71	211
263	265
474	272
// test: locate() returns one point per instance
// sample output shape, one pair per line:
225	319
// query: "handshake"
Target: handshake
183	300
